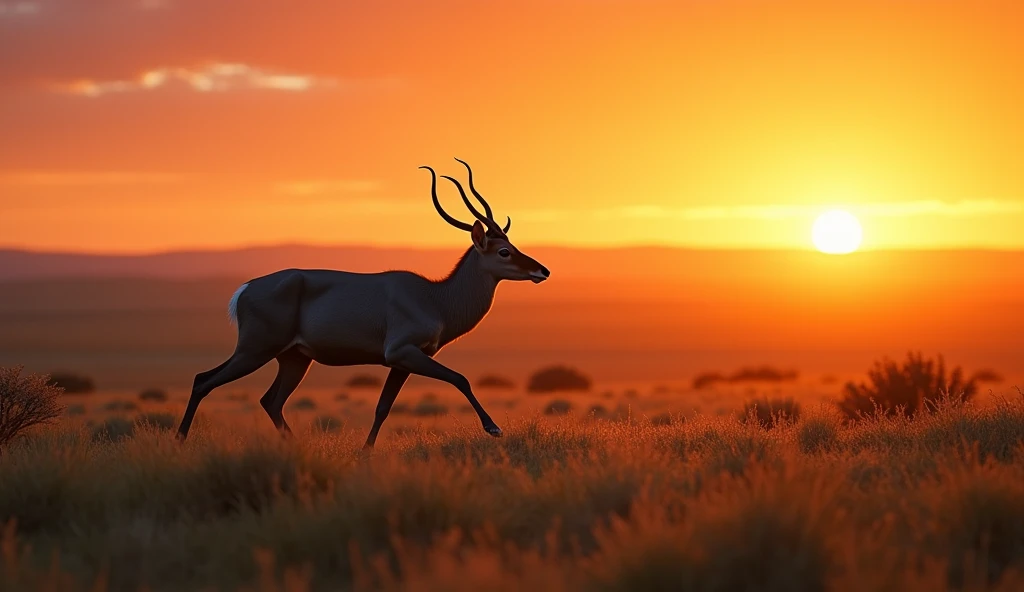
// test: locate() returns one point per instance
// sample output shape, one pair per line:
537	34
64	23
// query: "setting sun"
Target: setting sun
836	232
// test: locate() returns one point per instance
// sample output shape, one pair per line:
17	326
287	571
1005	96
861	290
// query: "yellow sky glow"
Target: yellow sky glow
726	124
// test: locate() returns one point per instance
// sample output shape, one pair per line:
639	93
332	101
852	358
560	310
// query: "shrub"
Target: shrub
160	421
746	374
906	386
762	374
987	375
304	404
114	429
706	379
154	395
343	396
558	407
494	381
429	408
73	410
73	384
769	412
365	381
25	402
558	378
818	434
662	419
119	405
326	423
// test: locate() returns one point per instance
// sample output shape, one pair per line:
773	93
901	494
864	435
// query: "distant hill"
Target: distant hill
620	314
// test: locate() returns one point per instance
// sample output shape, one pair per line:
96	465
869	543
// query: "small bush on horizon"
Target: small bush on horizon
558	378
558	407
745	374
120	405
71	383
908	386
153	395
304	404
987	375
25	402
364	381
495	381
429	408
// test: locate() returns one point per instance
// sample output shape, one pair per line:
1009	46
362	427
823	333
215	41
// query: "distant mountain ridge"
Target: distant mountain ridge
611	262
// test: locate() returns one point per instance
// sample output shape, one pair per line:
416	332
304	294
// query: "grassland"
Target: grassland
705	502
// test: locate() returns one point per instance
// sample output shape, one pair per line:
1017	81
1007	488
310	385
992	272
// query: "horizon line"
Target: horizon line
426	248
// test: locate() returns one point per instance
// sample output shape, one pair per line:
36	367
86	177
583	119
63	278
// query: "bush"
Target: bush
429	408
908	387
326	423
747	374
113	429
558	407
304	404
769	412
493	381
987	375
558	378
119	405
343	396
73	384
25	402
154	395
365	381
662	419
160	421
763	374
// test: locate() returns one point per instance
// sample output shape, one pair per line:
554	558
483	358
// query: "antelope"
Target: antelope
397	319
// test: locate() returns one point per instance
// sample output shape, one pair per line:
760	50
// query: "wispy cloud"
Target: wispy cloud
785	211
84	179
215	77
16	9
319	187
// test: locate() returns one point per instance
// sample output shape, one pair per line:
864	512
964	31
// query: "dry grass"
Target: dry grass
573	503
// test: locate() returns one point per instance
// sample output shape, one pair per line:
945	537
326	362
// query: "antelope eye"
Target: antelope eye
504	253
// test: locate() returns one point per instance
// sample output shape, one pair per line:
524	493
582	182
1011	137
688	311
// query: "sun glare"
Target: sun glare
836	232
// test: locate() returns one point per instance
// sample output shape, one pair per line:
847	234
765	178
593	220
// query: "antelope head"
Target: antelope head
499	256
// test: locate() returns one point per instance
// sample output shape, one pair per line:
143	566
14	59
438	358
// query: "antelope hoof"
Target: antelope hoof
493	430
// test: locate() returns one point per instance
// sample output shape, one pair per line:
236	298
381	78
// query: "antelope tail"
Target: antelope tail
233	304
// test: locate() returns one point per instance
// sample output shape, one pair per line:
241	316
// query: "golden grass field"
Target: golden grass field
692	500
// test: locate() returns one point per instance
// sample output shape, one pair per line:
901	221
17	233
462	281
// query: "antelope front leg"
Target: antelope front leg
411	359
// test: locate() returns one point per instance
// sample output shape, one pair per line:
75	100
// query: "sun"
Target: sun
836	232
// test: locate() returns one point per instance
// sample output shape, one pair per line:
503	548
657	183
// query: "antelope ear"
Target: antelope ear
479	236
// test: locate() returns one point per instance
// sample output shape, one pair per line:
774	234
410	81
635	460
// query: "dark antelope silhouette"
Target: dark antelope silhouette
397	319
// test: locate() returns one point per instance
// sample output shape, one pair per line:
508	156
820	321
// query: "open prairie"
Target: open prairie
545	295
572	502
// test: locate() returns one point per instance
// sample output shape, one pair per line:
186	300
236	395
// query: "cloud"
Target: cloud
315	187
215	77
84	179
16	9
782	211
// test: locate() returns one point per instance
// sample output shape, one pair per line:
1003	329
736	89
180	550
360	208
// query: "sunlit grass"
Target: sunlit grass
574	502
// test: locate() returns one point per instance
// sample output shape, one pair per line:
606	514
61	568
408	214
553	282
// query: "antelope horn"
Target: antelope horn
487	207
437	204
489	223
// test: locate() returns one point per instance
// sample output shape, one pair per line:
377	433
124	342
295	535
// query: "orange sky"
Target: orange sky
140	125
